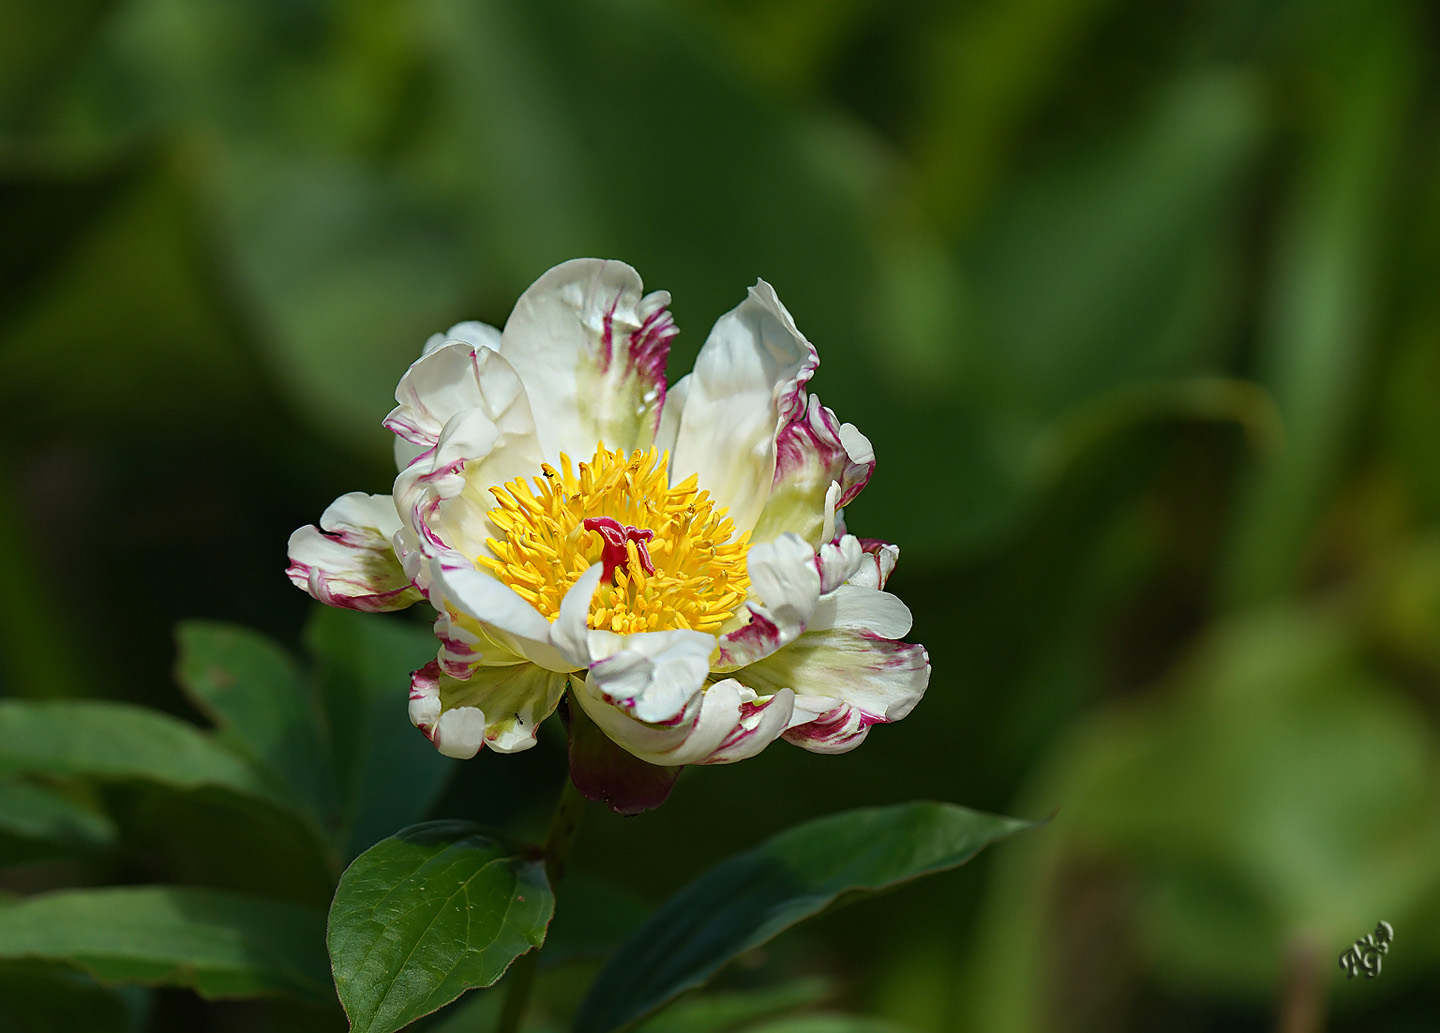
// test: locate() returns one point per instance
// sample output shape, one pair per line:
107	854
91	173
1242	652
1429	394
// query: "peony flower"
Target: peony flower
674	556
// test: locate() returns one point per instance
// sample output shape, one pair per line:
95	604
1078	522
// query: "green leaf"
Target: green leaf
748	899
37	814
44	998
388	774
102	739
217	944
429	913
261	704
737	1009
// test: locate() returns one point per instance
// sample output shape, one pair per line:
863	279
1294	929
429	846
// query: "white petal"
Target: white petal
837	562
749	381
425	697
651	675
783	576
828	726
820	465
571	633
502	615
646	741
877	564
785	585
501	707
670	422
515	700
450	380
591	350
761	721
472	332
348	560
435	387
830	513
444	495
849	656
654	675
852	608
459	733
728	722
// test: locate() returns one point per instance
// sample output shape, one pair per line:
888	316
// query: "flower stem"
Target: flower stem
564	823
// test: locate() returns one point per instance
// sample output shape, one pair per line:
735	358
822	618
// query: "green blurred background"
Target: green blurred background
1136	300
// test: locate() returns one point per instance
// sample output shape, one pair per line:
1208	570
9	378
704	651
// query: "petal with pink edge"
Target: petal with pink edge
653	675
785	583
444	494
726	723
849	657
591	350
499	707
348	560
449	380
479	609
749	381
877	564
812	452
761	720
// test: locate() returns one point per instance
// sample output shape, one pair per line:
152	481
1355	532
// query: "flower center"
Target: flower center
671	557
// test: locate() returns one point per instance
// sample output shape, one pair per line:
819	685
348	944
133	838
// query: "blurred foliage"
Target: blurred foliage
1136	301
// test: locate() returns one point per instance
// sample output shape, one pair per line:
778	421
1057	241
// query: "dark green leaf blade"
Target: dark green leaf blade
102	739
37	814
40	997
388	774
432	911
261	704
749	898
218	944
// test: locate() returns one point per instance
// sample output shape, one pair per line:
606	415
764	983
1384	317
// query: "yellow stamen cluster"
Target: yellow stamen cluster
699	574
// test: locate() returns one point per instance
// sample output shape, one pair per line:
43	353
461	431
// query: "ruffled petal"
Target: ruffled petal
847	668
838	562
749	381
416	431
726	723
591	350
789	580
652	676
472	332
813	452
499	707
451	379
785	583
877	564
761	720
348	560
485	621
444	494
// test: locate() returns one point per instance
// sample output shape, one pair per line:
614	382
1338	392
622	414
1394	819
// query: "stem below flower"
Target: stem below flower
564	823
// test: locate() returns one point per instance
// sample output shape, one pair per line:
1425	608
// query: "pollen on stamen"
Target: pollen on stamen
671	556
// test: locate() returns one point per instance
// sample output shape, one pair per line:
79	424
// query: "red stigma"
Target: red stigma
615	535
